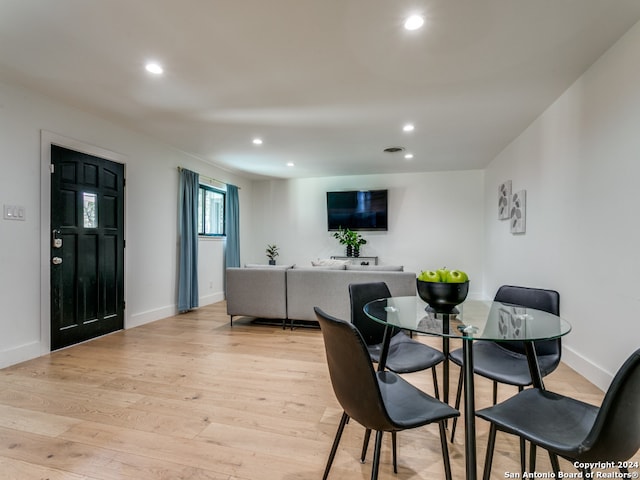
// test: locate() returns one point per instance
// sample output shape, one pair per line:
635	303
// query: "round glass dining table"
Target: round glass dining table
471	321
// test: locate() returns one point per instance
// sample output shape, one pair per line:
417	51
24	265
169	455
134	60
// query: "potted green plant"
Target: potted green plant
272	253
352	240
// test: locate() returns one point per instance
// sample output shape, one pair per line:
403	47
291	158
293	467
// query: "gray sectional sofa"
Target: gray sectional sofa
290	293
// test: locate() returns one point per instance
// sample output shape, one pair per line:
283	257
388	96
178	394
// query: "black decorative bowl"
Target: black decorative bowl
442	297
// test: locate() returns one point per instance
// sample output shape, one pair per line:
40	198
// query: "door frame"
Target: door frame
47	139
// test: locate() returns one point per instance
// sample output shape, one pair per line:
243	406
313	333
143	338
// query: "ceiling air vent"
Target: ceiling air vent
393	149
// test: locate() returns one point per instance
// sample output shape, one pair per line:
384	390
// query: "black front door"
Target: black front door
87	247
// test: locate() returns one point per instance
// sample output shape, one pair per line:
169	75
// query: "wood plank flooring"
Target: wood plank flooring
190	397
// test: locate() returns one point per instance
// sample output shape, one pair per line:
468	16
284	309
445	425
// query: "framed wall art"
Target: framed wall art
519	212
504	200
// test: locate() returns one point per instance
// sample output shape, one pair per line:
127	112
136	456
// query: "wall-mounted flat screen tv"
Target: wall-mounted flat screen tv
357	210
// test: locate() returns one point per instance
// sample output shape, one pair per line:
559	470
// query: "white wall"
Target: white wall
580	165
151	218
435	220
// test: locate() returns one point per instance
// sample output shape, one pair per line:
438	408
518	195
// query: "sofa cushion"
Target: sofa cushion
378	268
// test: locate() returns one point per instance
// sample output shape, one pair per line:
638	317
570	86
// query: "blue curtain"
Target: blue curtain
188	240
232	215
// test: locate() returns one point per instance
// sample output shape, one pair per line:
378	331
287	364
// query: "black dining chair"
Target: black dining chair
506	362
379	400
577	431
405	354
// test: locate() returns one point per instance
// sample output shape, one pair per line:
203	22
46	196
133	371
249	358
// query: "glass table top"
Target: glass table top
479	320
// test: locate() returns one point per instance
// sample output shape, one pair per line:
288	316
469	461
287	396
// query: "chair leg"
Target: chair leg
436	390
495	392
457	407
394	449
555	465
523	443
532	458
445	449
365	444
489	458
376	456
336	441
394	443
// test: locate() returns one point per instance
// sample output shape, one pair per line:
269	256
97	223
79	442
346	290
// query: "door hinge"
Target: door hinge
52	168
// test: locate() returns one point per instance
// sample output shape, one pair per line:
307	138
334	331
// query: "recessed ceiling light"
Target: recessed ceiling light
291	164
414	22
257	141
408	156
408	127
154	68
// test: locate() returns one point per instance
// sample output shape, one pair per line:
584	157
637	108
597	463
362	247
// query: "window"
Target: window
89	210
210	211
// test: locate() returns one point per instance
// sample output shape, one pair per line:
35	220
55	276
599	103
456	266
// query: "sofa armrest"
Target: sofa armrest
256	292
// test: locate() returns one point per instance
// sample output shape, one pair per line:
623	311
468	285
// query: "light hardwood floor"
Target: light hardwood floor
189	397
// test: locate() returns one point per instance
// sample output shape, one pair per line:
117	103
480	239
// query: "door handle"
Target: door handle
56	240
56	260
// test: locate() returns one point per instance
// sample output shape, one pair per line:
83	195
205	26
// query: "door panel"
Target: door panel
87	214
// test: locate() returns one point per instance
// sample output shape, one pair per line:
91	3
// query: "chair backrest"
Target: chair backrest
540	299
352	375
615	436
361	294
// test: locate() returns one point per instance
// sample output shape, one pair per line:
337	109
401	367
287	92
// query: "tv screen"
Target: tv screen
357	210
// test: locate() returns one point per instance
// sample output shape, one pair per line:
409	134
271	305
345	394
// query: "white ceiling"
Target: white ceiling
327	84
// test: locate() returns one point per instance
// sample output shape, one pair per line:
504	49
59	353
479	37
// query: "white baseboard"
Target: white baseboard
142	318
586	368
475	296
212	298
20	354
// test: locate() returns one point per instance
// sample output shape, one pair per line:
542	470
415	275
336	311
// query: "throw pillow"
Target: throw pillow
322	267
276	267
377	268
328	262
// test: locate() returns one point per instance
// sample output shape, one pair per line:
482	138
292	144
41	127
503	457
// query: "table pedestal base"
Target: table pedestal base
469	410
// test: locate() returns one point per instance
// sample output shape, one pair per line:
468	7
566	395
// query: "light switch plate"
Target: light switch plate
14	212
